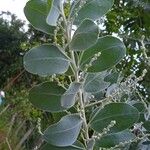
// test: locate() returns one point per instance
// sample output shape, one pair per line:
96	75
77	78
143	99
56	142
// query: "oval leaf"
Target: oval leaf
46	60
54	12
125	116
46	96
113	139
65	132
94	9
36	13
85	36
95	83
112	51
76	146
68	98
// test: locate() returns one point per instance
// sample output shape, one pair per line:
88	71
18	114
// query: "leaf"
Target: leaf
112	77
76	146
95	83
94	9
113	139
46	60
65	132
146	125
54	12
125	116
112	51
46	96
36	13
68	98
49	4
85	36
140	106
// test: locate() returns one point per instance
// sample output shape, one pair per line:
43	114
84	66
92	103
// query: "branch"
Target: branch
13	80
8	144
23	139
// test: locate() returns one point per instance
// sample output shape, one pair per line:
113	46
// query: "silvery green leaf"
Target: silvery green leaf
36	13
46	60
85	36
68	98
47	96
95	83
65	132
54	12
110	140
93	9
123	114
111	49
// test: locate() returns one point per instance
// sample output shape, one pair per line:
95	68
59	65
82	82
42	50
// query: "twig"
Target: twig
11	124
39	143
8	144
142	100
4	109
96	103
23	139
20	126
13	80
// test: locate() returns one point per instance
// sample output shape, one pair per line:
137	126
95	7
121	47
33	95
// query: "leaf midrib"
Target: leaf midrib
46	58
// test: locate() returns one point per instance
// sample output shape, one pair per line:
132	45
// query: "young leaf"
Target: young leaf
113	139
36	13
125	116
94	9
76	146
85	36
46	60
68	98
54	12
65	132
46	96
95	83
112	51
